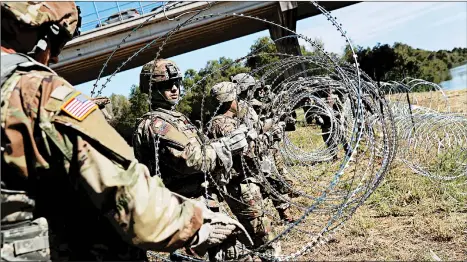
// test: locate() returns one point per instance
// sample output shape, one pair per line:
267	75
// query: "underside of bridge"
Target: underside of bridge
83	58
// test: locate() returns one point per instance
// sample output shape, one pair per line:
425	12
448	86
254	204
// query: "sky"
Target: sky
426	25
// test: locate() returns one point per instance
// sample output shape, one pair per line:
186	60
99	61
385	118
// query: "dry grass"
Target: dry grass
408	217
450	101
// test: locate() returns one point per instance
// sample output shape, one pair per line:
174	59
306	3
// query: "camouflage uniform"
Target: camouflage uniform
105	106
242	186
249	115
68	175
179	154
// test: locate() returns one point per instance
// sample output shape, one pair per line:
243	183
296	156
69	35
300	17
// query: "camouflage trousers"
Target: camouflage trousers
277	183
250	213
26	242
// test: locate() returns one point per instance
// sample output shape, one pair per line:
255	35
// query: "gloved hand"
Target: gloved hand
278	130
231	249
266	165
216	229
236	139
228	145
252	134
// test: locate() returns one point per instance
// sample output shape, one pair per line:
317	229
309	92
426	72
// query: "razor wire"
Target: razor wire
349	129
432	137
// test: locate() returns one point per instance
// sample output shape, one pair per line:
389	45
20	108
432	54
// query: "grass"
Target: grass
408	217
452	101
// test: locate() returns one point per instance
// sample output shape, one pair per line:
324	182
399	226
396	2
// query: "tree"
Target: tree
198	84
126	112
385	63
261	54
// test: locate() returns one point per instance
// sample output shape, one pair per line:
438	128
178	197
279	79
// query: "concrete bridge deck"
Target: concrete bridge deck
83	57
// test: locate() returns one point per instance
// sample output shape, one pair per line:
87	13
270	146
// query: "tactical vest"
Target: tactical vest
178	137
26	240
22	238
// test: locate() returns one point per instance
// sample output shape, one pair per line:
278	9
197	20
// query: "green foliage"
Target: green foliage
126	112
261	54
214	72
386	63
382	63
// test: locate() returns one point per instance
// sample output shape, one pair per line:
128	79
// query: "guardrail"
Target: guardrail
98	13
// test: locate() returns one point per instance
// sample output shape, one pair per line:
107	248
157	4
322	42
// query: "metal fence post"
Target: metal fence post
119	13
97	13
141	6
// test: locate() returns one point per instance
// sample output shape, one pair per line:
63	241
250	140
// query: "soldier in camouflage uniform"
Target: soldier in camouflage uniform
241	186
245	84
71	188
169	144
105	106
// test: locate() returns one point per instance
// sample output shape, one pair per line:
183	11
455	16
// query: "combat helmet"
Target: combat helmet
243	81
224	92
157	74
61	18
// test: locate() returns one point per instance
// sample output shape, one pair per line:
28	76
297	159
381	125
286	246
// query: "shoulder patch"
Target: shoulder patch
61	92
78	106
160	127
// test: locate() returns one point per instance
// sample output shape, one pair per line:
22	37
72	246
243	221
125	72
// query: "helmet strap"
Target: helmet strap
42	43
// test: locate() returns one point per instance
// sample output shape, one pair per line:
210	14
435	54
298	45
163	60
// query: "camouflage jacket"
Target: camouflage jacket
248	114
180	150
58	149
222	126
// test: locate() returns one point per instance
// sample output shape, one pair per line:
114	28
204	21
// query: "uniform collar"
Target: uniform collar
169	112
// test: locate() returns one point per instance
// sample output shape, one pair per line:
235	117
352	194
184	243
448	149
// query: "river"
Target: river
459	79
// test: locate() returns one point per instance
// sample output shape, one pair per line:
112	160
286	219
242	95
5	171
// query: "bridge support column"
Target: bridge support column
286	15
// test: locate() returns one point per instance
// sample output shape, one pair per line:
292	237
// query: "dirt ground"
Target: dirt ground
409	217
431	237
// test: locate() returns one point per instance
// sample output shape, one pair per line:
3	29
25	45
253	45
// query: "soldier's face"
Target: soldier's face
171	90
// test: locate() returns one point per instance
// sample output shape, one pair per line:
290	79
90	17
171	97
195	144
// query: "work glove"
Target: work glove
266	165
278	130
231	249
216	229
231	144
236	140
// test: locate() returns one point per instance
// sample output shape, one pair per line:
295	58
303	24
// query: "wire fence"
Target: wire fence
100	14
364	126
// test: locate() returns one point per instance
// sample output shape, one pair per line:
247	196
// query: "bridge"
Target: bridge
83	57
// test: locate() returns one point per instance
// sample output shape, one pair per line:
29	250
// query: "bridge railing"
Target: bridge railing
96	14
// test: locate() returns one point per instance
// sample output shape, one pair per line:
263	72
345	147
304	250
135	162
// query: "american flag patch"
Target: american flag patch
79	107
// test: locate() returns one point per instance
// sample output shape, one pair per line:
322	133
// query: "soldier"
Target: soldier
241	186
245	84
166	140
105	106
70	185
332	93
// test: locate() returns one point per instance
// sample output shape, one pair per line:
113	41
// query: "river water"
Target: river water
459	79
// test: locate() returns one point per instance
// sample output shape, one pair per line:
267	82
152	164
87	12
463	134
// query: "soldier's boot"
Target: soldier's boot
273	250
285	215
